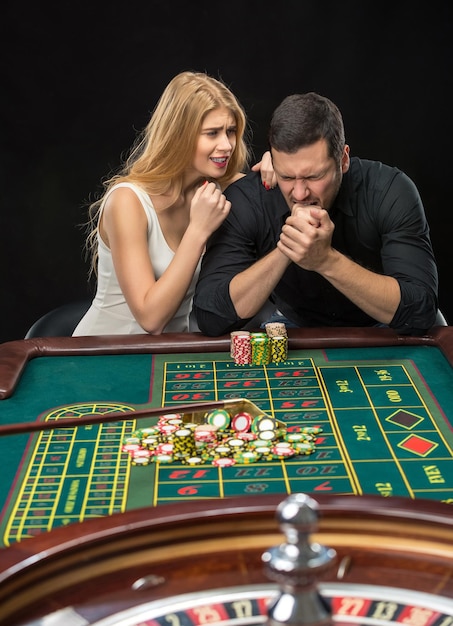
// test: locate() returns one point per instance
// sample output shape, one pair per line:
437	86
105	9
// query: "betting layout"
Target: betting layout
378	434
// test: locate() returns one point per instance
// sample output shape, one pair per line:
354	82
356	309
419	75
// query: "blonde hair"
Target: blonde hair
164	149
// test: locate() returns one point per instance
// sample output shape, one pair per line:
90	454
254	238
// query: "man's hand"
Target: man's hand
306	237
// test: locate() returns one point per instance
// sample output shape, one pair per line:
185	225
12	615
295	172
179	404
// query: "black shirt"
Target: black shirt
380	223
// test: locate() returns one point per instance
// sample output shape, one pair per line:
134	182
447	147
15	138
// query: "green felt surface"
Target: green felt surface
385	414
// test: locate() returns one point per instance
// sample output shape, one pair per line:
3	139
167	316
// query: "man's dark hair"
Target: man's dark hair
303	119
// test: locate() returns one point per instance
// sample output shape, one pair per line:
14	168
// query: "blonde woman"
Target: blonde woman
148	231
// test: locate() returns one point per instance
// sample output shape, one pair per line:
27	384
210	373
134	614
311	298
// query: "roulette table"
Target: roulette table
84	531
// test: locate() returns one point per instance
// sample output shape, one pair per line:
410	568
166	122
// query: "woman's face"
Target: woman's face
216	143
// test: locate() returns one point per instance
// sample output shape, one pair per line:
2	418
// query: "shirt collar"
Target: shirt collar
348	188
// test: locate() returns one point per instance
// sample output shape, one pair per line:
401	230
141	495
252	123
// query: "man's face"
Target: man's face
310	176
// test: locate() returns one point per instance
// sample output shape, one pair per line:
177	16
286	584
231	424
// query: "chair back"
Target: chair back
59	322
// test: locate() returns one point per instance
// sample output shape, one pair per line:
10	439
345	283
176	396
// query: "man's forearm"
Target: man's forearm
376	294
250	289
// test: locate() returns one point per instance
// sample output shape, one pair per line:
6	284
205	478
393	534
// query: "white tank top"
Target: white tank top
109	313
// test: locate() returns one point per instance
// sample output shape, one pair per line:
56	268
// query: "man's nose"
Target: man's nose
301	190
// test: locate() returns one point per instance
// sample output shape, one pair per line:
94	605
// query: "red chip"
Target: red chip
130	447
241	422
224	462
142	452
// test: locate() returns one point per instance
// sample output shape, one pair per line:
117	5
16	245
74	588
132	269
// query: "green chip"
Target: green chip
219	418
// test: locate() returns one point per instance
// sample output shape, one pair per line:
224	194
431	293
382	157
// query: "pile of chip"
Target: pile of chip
222	439
260	348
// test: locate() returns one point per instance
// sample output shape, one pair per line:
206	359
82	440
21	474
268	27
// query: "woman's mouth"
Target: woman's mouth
220	162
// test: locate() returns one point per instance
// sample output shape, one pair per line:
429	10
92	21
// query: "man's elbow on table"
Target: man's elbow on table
417	311
213	325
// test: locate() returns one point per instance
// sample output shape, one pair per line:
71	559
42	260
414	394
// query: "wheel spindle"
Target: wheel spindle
297	566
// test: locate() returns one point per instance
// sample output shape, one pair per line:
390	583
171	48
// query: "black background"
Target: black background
78	81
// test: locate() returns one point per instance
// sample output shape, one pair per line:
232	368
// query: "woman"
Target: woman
148	231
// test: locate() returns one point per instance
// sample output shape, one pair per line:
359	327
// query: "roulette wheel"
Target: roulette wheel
239	561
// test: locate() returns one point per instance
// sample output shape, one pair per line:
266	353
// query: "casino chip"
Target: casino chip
225	438
219	418
241	422
224	462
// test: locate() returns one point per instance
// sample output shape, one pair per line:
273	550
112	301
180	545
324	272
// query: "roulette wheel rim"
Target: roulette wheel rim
216	599
219	542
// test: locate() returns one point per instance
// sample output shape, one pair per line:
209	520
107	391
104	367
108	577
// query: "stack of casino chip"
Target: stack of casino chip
240	347
184	443
276	329
279	349
278	338
223	439
260	348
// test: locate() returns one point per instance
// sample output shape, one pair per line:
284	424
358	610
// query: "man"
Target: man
341	241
